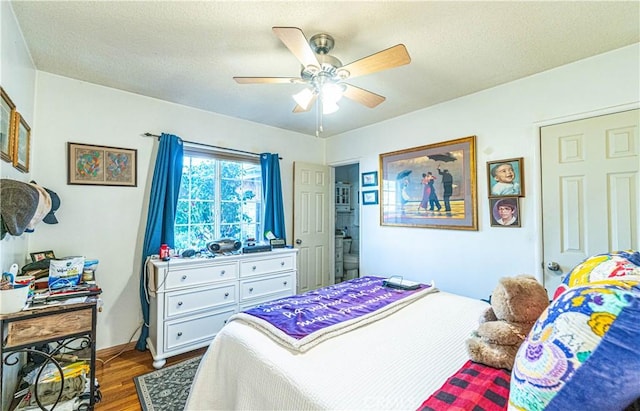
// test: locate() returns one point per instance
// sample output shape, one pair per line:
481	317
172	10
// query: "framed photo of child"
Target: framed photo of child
505	212
505	177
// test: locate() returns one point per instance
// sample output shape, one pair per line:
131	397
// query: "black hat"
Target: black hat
50	218
18	204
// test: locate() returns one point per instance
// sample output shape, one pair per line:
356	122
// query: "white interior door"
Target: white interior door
590	190
311	232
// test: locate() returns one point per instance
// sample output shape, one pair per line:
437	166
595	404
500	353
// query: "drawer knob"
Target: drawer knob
282	263
226	294
285	283
253	268
251	289
184	277
222	272
179	303
179	333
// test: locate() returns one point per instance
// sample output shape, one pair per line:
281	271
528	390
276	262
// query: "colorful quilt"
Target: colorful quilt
474	387
601	267
583	350
301	321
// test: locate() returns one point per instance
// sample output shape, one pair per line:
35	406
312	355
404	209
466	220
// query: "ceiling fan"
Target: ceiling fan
325	75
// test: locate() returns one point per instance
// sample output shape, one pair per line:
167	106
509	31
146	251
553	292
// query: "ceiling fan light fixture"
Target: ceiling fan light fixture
342	74
332	92
304	98
329	106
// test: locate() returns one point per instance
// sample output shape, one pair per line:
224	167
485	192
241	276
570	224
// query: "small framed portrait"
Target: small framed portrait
505	178
21	143
505	212
370	197
370	179
42	255
7	123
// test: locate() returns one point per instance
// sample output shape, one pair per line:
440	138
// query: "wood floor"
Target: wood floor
116	376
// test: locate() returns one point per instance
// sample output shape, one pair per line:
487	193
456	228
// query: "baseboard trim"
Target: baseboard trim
107	353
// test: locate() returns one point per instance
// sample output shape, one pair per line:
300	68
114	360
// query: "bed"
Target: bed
414	357
394	362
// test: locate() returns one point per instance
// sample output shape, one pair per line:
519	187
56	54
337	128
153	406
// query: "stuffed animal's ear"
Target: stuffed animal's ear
488	315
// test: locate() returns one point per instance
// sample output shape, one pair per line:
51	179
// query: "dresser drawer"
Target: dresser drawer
263	287
254	302
179	333
184	277
188	301
266	265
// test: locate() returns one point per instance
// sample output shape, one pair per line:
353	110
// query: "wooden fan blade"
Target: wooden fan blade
297	43
299	109
362	96
265	80
392	57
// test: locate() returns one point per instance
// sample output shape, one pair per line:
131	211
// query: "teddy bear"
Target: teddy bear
516	304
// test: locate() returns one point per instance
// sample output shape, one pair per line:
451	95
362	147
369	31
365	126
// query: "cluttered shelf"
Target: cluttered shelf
48	317
59	344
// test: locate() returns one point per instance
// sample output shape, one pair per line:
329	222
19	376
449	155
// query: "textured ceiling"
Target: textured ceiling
187	52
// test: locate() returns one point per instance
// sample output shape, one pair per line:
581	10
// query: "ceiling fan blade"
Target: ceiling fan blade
266	80
297	43
392	57
299	109
362	96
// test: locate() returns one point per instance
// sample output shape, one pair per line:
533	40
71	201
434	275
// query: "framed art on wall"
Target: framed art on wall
21	143
370	179
7	118
432	186
505	212
101	165
505	177
370	197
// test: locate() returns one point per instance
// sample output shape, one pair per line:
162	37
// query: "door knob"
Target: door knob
553	266
298	241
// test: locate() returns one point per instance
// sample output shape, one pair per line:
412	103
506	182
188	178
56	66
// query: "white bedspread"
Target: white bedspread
393	363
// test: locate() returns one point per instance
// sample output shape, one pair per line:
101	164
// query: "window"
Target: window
220	196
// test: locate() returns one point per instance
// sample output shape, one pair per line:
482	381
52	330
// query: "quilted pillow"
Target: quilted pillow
582	352
600	267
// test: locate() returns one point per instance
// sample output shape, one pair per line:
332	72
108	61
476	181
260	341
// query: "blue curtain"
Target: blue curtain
272	195
163	201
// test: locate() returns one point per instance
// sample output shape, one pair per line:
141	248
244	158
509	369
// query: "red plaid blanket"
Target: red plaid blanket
474	387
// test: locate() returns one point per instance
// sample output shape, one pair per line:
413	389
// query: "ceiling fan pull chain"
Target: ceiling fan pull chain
319	117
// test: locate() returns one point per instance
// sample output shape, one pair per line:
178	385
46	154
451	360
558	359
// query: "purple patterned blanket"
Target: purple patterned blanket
301	321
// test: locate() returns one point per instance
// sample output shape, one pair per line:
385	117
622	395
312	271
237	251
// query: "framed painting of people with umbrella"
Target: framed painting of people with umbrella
431	186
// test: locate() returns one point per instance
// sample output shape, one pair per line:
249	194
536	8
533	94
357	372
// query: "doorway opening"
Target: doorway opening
347	222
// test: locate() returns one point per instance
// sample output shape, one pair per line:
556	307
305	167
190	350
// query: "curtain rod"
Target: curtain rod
147	134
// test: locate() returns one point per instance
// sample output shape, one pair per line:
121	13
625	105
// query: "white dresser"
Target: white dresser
193	298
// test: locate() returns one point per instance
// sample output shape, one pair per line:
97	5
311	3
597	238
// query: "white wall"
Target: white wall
108	223
505	120
17	77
